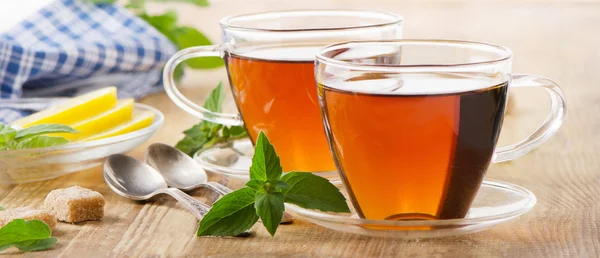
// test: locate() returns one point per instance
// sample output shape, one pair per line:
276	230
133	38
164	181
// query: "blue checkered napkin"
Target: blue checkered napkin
70	47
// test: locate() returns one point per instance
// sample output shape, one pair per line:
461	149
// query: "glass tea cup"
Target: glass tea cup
270	64
413	124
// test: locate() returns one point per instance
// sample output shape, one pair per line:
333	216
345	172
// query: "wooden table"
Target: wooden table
559	39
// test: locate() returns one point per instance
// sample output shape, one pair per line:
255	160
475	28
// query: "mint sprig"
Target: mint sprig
28	236
206	134
32	137
264	196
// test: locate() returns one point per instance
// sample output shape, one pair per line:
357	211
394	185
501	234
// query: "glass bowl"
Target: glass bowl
22	166
496	202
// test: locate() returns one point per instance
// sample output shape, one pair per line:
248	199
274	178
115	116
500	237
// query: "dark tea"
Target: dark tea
275	91
414	146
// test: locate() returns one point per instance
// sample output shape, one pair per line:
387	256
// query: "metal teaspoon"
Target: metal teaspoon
181	171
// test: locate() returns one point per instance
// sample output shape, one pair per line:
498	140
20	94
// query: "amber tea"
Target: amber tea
414	147
275	91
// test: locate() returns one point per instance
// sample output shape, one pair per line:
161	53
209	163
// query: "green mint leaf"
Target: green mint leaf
136	5
269	207
214	130
205	134
282	185
313	192
186	37
7	134
214	101
165	23
255	184
198	130
36	245
30	235
178	72
212	142
265	162
225	132
44	129
2	208
190	145
237	131
230	215
40	141
202	3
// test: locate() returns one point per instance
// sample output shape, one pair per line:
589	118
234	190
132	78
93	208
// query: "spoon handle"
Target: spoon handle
198	208
219	188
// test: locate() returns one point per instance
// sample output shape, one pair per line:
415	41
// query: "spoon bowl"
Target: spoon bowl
181	171
177	168
136	180
131	178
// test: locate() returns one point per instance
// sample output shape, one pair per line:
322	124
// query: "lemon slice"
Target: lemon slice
140	120
104	121
73	110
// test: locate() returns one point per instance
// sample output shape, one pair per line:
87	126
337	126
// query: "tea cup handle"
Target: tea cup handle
184	103
553	121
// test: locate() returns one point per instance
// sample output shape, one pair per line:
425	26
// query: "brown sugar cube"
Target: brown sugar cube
75	204
27	213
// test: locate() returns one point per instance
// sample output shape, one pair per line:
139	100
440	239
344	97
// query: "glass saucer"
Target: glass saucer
495	203
231	159
234	159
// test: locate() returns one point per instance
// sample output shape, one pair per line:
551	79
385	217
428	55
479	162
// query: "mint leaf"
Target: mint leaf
230	215
178	73
206	134
282	185
215	98
137	5
33	235
255	184
32	137
313	192
7	134
36	245
2	208
186	37
190	145
200	129
237	131
165	23
44	129
265	162
269	207
40	141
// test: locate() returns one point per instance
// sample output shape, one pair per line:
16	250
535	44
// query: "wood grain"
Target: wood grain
559	39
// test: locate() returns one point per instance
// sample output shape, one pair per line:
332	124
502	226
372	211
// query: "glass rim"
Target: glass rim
394	19
505	55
